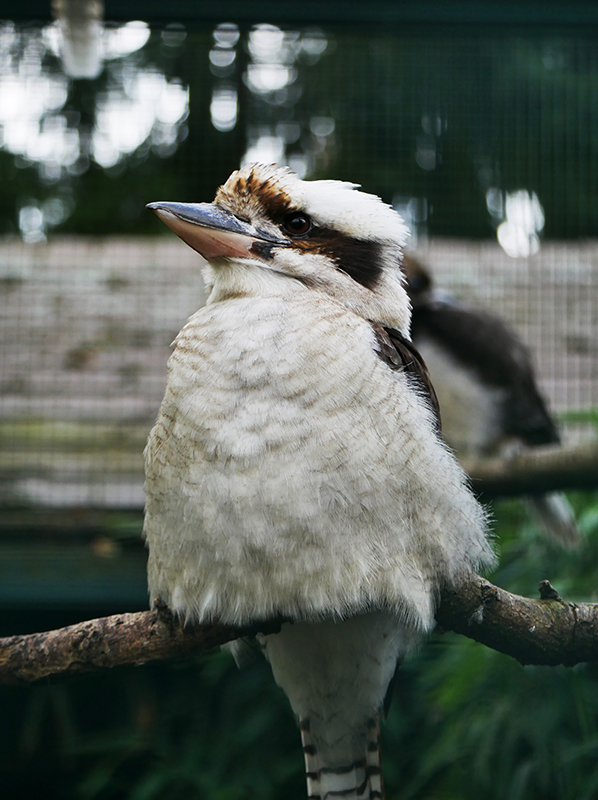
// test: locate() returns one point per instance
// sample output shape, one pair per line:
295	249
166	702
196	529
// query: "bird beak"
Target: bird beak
215	232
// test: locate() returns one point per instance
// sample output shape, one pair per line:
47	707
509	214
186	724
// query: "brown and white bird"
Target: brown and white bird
295	470
487	391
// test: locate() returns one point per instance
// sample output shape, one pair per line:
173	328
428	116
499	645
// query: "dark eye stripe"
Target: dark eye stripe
359	258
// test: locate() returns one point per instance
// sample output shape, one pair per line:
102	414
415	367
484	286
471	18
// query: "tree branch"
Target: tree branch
119	640
545	631
535	471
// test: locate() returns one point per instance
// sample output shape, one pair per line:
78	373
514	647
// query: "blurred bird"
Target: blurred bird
487	392
294	470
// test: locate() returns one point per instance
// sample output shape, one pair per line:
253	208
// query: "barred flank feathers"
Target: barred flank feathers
359	779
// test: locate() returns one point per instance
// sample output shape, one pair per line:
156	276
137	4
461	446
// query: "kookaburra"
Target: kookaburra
295	470
485	383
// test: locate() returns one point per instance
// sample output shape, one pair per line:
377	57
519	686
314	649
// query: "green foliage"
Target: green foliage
197	732
586	416
465	722
425	112
487	726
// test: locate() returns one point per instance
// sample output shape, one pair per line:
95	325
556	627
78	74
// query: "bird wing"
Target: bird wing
399	353
483	343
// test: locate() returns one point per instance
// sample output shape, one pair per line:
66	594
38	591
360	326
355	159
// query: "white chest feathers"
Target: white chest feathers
292	472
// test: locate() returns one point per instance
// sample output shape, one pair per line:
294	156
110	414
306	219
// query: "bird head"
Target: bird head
419	281
266	225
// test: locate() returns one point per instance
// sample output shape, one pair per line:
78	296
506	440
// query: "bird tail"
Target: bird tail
556	516
350	778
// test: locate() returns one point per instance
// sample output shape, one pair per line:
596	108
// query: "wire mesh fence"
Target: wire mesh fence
87	329
484	139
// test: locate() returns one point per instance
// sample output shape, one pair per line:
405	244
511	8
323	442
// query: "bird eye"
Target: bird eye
297	224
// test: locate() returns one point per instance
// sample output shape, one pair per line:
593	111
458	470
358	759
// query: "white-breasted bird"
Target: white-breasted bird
489	400
295	469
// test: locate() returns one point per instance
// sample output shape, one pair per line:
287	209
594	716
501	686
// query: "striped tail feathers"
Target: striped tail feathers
350	778
374	760
556	516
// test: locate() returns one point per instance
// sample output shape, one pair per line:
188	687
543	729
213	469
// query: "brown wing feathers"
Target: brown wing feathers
399	353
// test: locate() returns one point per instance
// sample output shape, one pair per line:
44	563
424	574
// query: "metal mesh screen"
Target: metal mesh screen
485	140
87	328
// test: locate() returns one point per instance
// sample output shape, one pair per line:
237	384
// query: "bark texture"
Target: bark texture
545	631
118	640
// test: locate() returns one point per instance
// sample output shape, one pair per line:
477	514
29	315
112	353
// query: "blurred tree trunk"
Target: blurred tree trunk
208	156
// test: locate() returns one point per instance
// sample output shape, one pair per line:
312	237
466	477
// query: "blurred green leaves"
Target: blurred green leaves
488	727
465	722
432	117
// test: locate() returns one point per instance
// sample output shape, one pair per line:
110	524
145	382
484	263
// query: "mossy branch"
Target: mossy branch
548	631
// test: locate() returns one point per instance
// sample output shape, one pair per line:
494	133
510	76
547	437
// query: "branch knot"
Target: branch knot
548	592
